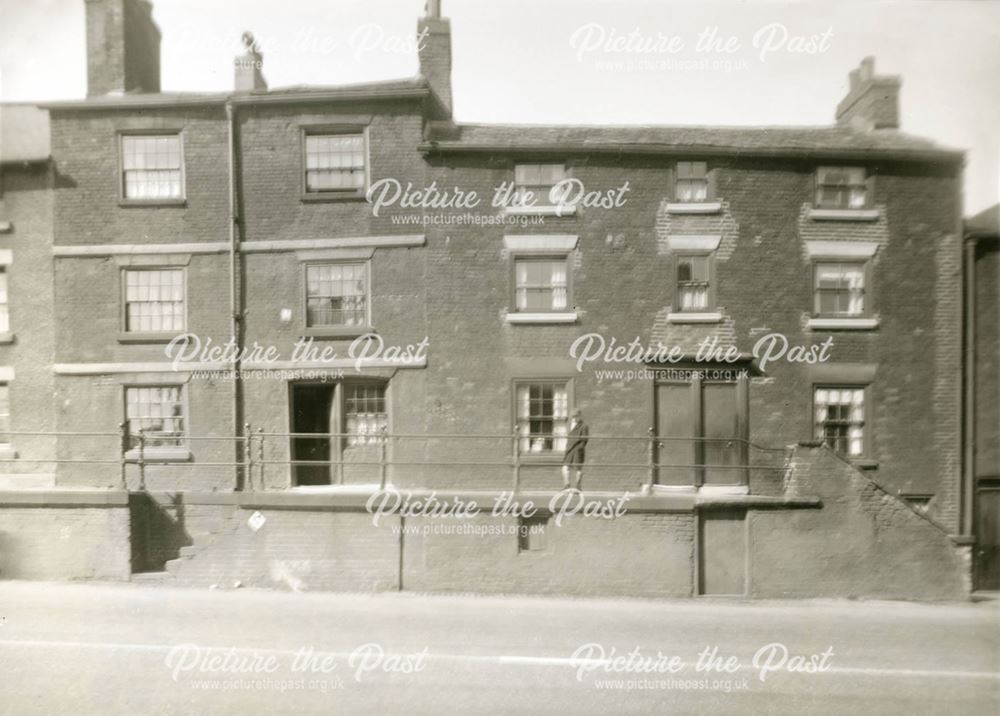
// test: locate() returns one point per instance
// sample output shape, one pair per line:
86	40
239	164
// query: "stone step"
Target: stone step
151	577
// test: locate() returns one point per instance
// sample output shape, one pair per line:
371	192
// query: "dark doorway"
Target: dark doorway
312	413
988	536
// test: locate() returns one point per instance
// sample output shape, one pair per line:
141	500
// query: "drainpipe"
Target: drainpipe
234	308
969	380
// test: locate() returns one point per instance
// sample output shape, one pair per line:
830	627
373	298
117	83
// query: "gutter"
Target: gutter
153	101
949	156
234	309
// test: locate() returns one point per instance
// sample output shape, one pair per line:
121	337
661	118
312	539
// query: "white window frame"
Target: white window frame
123	138
126	332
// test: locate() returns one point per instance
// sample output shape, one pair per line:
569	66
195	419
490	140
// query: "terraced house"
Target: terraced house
803	438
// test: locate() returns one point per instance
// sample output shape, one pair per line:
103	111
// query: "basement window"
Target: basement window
152	167
532	533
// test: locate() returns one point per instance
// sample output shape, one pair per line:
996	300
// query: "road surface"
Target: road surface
129	649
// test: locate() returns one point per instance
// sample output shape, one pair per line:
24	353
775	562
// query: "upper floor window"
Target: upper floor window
691	182
335	162
694	283
157	412
841	188
154	301
840	418
839	289
541	284
337	295
152	167
533	183
4	304
542	416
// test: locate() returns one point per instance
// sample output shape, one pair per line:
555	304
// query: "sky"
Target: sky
579	61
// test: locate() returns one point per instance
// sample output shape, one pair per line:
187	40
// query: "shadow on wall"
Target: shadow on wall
157	531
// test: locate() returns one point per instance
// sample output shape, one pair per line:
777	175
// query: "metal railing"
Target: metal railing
380	454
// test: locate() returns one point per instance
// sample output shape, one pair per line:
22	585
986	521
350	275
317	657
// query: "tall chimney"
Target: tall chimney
872	102
123	47
249	76
434	46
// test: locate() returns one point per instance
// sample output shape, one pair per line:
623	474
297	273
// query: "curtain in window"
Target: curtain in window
542	417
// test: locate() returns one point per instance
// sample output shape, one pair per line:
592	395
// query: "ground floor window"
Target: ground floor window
365	417
840	418
157	412
542	415
4	414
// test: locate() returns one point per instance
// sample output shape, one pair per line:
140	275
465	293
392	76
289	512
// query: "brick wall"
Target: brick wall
26	202
64	536
863	543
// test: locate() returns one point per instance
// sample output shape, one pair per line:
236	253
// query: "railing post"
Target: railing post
142	459
383	444
648	487
247	457
122	450
260	455
516	460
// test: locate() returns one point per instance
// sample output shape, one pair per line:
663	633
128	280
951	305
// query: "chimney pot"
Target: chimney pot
249	67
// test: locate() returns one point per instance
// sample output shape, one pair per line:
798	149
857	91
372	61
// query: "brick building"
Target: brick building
251	216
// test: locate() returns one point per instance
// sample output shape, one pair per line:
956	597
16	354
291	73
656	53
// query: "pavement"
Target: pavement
128	649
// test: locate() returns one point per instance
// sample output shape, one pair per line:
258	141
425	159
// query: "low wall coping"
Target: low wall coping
63	498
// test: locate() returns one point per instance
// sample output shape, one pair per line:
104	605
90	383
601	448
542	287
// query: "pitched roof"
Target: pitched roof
24	133
986	221
805	141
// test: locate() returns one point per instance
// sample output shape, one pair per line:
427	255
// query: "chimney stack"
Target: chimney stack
249	76
123	47
872	102
434	47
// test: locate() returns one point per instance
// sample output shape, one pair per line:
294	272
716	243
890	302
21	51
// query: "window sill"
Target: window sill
844	214
336	332
701	207
6	337
159	454
540	210
326	197
540	458
129	337
152	203
682	317
842	324
724	490
564	317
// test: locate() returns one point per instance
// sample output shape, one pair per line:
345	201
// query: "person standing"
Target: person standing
576	446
